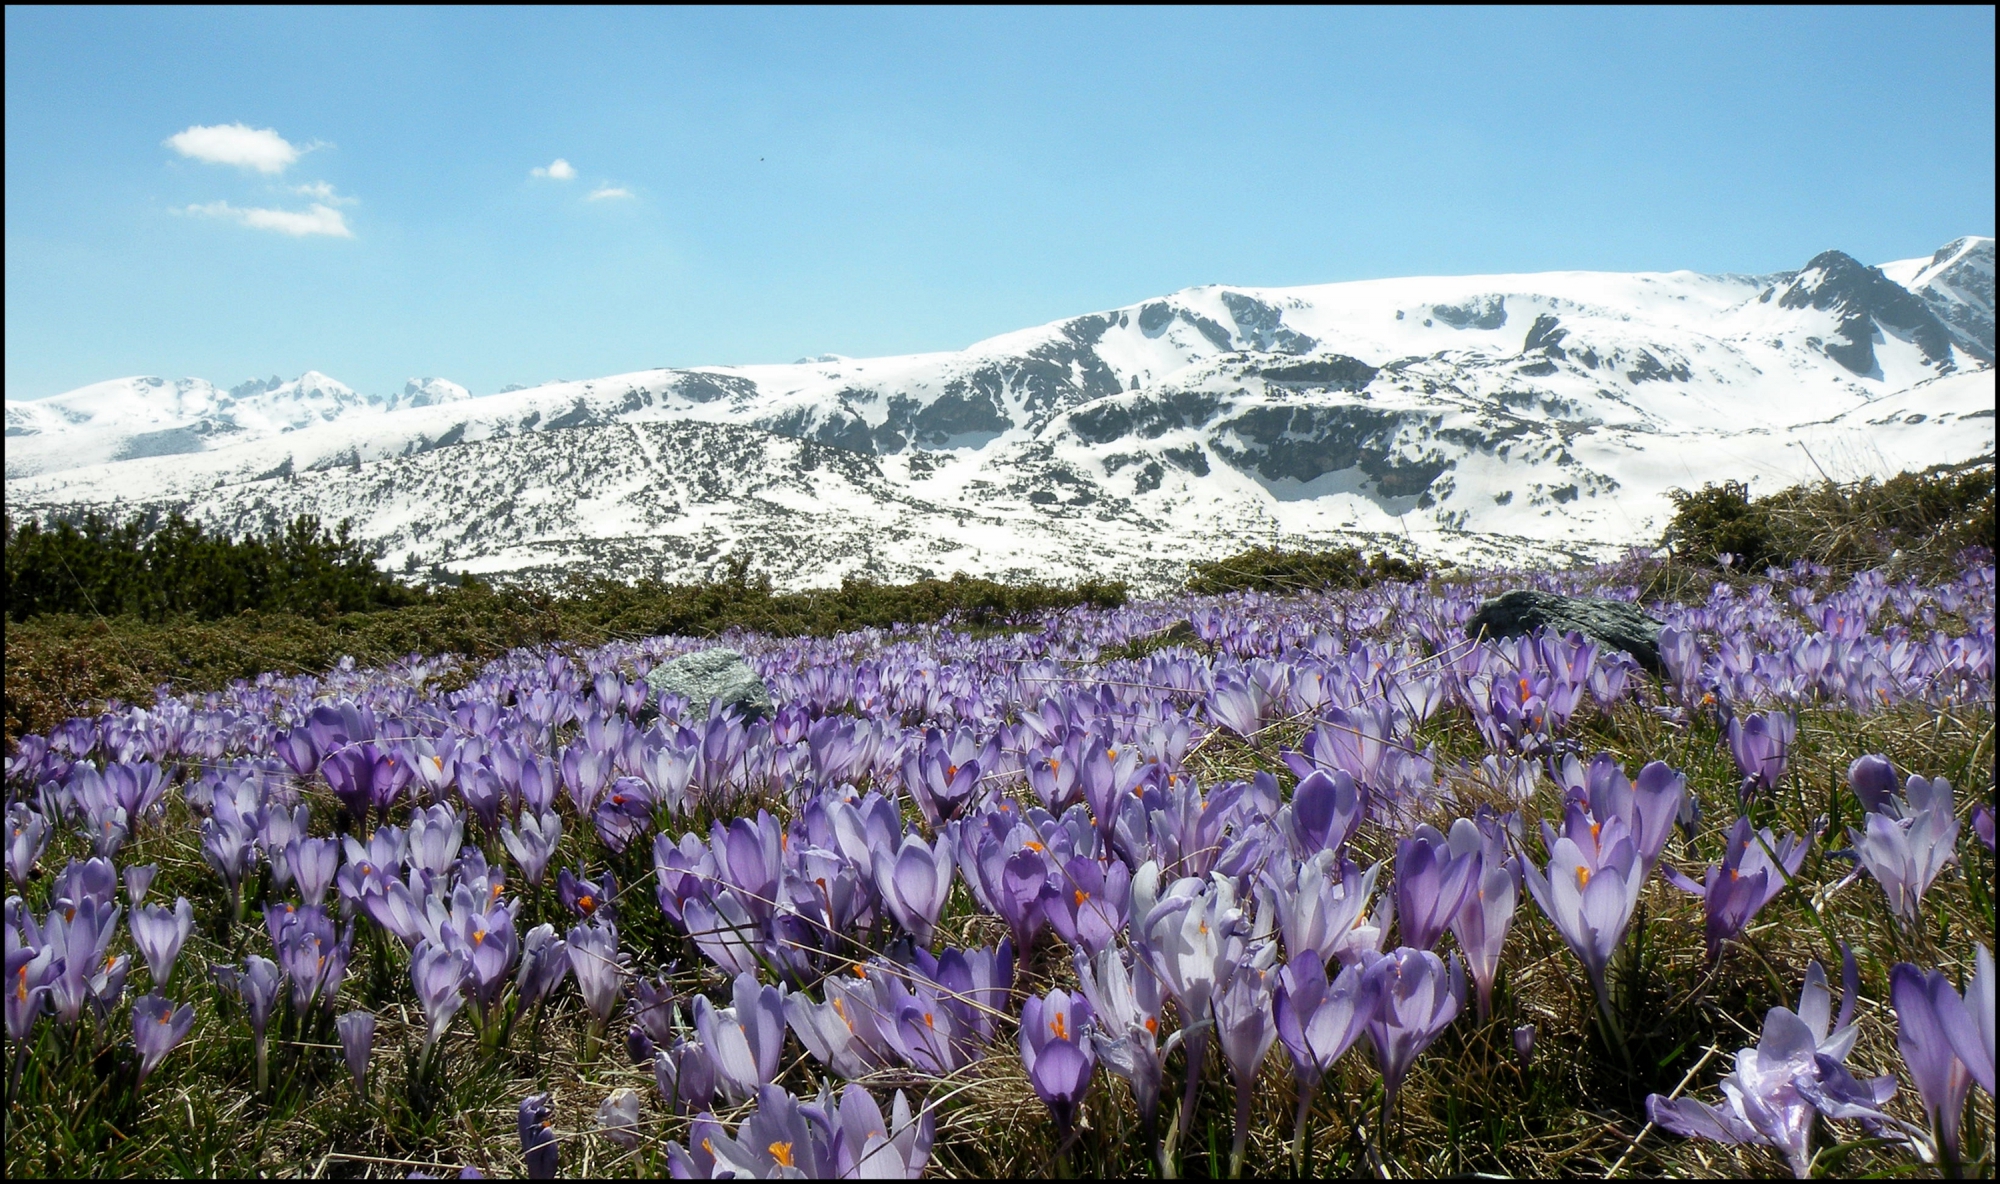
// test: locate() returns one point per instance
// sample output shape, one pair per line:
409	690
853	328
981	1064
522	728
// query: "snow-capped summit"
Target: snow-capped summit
1957	284
428	392
131	418
1503	417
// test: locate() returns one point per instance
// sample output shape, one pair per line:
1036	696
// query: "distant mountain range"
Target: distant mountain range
1521	418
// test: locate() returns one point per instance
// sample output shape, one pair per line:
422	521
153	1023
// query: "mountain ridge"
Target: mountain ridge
1481	417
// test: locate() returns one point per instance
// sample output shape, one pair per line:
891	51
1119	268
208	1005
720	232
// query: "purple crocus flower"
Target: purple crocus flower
1488	911
1524	1045
30	974
685	1074
1416	997
973	983
314	863
849	1032
1126	1036
313	955
544	965
1942	1041
138	880
866	1147
624	813
915	884
1193	937
357	1044
599	969
157	1026
533	843
159	934
1648	807
538	1142
486	938
1977	1052
1323	907
439	975
1982	824
350	772
1591	903
380	858
1090	907
725	931
435	835
1325	811
229	848
618	1117
1747	879
784	1137
1244	1028
1761	745
82	943
586	898
1873	780
651	1003
1017	886
747	1039
1432	884
1058	1058
94	879
27	838
1318	1019
1795	1067
941	785
1318	1022
257	985
1905	854
280	828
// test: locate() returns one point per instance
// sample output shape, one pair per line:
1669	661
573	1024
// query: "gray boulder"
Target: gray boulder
1611	623
717	675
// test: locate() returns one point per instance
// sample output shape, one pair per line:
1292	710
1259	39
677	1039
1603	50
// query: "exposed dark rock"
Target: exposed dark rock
703	388
1262	325
1303	443
578	416
1193	460
1481	312
1864	298
166	442
1647	368
1612	623
1337	371
1546	336
1148	416
717	675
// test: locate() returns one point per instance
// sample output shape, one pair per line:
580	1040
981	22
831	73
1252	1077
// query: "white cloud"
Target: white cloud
319	219
321	191
609	191
239	144
561	170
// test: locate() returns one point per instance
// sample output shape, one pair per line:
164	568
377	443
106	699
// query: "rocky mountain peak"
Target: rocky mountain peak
1865	300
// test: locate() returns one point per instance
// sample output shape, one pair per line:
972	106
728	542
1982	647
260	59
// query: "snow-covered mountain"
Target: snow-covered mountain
1502	418
133	418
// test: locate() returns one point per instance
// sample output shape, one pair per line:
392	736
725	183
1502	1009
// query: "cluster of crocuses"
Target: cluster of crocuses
1054	789
1797	1069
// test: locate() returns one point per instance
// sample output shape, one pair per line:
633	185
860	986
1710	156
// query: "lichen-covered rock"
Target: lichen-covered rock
717	675
1611	623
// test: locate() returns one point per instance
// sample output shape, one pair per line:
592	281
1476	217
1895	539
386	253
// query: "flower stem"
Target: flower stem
1242	1135
1305	1092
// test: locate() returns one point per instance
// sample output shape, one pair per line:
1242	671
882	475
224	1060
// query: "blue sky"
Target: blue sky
755	186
